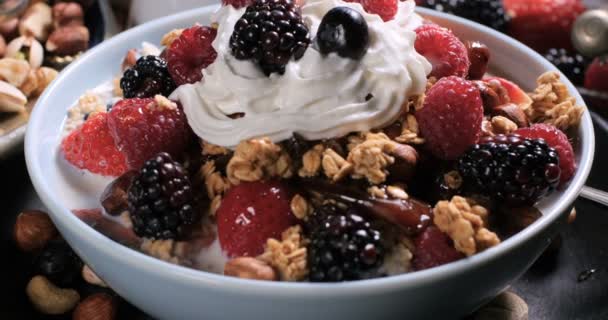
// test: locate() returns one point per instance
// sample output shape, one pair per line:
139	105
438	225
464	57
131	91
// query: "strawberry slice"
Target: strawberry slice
250	214
91	147
143	128
516	94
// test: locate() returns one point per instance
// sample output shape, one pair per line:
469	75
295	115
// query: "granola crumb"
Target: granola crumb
300	207
311	162
371	158
88	104
410	131
502	125
465	222
335	167
160	249
399	259
258	159
552	103
162	103
171	36
453	180
397	192
212	149
377	192
289	255
215	204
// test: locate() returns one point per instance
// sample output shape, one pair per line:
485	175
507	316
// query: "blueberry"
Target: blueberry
344	31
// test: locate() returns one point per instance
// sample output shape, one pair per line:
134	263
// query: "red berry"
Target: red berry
141	129
447	54
189	54
543	24
92	147
433	248
386	9
556	139
237	3
596	77
516	94
250	214
451	117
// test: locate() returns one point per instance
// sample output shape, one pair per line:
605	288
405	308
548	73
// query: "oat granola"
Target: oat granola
288	256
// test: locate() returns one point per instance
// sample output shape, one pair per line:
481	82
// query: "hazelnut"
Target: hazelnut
512	112
9	29
37	21
68	40
33	230
67	14
99	306
249	268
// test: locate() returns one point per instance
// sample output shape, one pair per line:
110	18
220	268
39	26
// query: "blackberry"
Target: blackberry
573	65
147	78
296	147
511	169
343	245
161	200
487	12
270	32
59	264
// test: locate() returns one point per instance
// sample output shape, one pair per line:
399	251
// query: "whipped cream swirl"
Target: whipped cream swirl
319	96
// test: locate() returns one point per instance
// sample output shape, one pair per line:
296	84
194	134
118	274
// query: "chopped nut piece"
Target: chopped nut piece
288	256
377	192
168	38
410	131
553	104
464	221
117	90
397	192
371	158
453	179
311	162
502	125
334	166
162	103
249	268
212	149
257	159
300	207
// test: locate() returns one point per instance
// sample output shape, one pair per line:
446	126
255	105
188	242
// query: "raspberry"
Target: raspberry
343	245
160	199
92	147
558	141
386	9
141	128
511	169
596	75
252	212
543	24
189	54
447	54
433	248
237	3
451	117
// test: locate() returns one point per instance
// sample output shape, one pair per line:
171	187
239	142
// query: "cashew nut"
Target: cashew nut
91	277
48	298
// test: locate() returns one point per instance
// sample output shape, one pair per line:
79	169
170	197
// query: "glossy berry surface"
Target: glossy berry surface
433	248
270	33
343	245
189	54
573	65
147	78
597	75
447	54
142	128
511	168
558	140
450	119
58	263
92	147
344	31
487	12
252	212
161	200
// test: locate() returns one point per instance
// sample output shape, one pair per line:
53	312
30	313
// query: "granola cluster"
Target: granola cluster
258	159
88	104
288	256
466	223
553	104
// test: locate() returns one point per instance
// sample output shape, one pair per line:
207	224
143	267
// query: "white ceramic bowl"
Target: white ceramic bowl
172	292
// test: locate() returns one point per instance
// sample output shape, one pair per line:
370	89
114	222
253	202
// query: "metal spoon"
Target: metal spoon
596	195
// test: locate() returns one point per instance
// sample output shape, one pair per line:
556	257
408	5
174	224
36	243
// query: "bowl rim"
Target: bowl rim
188	276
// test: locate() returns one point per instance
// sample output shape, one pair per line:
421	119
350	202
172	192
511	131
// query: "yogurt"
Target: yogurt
319	96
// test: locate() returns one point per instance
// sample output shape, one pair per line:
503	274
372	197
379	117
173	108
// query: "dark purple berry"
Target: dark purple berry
573	65
59	264
161	199
147	78
344	31
487	12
